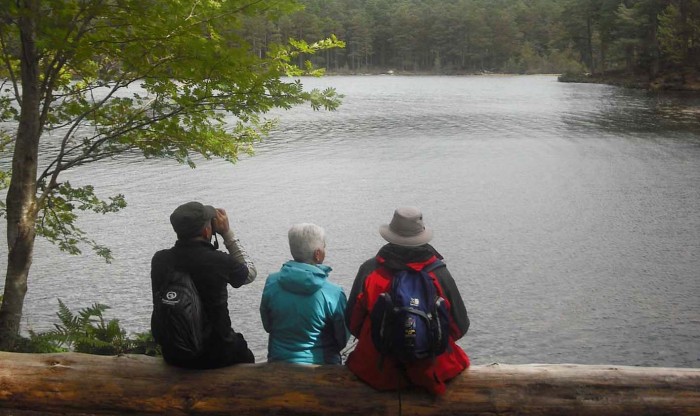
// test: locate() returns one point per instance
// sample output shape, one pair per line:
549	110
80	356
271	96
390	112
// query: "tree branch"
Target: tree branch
8	65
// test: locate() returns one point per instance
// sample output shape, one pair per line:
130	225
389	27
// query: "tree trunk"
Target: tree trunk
589	45
21	195
603	54
686	30
72	384
655	52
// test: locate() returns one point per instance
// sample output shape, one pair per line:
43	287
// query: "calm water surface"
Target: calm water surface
567	213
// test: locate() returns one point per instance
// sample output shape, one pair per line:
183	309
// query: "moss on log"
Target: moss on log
80	384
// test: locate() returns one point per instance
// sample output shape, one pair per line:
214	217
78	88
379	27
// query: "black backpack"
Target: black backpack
178	319
410	321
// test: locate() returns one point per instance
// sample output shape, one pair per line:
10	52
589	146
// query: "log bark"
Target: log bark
80	384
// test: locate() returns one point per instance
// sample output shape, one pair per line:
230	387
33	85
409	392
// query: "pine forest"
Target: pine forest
634	39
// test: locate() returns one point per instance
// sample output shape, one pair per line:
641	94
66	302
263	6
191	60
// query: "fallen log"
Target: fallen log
80	384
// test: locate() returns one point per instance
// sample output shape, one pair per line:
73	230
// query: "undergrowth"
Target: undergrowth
87	331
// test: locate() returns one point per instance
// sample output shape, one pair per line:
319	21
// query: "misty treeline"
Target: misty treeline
514	36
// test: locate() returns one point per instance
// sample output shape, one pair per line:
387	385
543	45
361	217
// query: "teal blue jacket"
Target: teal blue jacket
304	314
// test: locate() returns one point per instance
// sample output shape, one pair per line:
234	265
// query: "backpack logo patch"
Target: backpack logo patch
170	298
410	321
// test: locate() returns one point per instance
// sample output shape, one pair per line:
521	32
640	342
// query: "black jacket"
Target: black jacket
211	271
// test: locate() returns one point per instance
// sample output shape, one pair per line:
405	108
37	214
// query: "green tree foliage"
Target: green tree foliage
679	32
521	36
443	36
88	80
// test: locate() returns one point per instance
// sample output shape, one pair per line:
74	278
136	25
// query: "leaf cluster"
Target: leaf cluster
57	222
175	80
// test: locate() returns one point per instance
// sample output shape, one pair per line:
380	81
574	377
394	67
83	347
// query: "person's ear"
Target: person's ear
207	232
318	256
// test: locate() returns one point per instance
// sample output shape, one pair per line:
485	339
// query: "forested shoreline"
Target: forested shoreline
647	43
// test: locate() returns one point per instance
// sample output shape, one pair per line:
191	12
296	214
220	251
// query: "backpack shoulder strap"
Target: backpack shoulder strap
433	287
433	266
177	265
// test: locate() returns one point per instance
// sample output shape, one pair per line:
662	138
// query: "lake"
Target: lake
569	214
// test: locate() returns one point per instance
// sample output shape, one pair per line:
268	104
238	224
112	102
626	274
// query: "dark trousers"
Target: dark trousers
218	353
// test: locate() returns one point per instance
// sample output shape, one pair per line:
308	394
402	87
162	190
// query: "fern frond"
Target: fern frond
65	315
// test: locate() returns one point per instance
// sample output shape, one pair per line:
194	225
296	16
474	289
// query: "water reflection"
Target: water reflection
627	112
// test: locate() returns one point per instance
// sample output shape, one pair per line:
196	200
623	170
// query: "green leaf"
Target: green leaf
166	79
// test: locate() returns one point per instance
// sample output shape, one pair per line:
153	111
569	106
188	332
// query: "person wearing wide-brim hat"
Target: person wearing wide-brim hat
407	248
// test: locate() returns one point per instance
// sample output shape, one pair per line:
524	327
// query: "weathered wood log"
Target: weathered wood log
72	384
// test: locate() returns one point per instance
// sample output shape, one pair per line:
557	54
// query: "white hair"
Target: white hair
304	240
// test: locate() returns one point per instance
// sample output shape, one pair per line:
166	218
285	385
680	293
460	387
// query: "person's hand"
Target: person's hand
221	224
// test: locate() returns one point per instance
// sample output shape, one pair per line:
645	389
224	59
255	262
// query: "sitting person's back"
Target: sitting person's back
211	272
302	311
407	250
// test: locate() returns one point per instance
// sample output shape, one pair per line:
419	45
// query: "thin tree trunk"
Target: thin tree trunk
655	54
603	54
686	31
589	29
21	195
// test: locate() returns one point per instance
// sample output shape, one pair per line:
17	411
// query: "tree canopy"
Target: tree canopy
87	80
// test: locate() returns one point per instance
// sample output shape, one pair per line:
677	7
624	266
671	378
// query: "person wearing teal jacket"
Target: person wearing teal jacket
302	311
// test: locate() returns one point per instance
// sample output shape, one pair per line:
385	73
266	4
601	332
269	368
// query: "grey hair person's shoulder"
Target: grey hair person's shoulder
304	239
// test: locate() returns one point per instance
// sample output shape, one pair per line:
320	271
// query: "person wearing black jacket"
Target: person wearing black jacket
211	271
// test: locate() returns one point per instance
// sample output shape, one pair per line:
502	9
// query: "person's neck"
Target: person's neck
196	239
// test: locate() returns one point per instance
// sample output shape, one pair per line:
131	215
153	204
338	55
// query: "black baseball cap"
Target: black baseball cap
188	219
